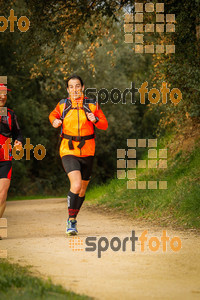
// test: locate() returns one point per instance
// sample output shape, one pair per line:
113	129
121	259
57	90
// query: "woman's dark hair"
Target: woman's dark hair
74	76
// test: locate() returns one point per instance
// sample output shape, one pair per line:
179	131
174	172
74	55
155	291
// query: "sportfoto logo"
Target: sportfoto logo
127	164
23	22
18	152
160	23
116	244
154	95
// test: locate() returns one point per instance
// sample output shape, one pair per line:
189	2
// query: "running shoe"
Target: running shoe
71	227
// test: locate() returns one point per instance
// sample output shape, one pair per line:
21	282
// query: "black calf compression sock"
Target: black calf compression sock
80	201
72	204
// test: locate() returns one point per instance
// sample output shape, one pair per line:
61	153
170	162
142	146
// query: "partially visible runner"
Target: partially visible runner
78	116
9	128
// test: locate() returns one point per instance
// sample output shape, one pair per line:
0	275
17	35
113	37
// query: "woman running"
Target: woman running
78	117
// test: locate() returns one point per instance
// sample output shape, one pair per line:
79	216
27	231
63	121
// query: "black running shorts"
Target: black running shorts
82	164
5	169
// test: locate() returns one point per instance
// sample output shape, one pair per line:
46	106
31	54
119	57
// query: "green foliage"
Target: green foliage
181	70
91	43
18	283
38	61
178	204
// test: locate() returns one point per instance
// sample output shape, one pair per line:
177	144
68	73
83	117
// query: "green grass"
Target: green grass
179	204
17	282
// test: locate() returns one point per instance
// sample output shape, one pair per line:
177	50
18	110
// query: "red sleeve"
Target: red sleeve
102	123
55	114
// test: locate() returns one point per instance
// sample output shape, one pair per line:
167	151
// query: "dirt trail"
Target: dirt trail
36	236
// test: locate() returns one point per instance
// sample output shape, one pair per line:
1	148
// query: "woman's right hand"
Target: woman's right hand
56	123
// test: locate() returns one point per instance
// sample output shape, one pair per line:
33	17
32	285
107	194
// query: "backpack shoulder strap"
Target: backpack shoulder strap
86	103
86	108
67	107
12	115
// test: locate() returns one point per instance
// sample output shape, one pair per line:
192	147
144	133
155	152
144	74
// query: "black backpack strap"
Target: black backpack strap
80	139
86	103
66	109
68	106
